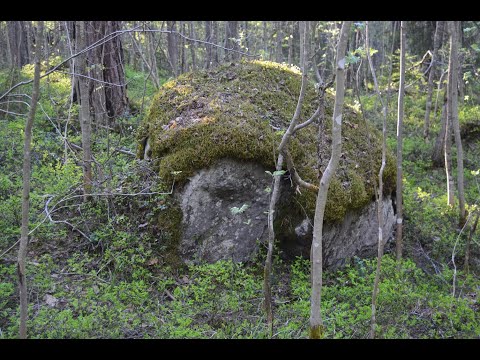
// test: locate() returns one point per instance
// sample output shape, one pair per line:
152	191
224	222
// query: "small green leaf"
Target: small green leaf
235	210
279	172
268	172
268	190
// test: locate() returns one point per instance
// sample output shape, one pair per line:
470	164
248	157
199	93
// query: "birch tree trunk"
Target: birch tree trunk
399	191
22	251
316	323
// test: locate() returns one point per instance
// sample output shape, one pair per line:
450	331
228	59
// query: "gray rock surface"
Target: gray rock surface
211	231
357	235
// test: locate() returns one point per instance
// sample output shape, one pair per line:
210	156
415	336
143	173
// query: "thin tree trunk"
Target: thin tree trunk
248	40
399	191
316	323
467	246
172	47
208	47
22	252
215	39
278	49
431	76
17	43
193	46
29	34
153	67
440	85
453	114
265	40
231	34
448	159
380	185
85	120
9	53
183	48
267	287
449	126
438	159
460	60
290	45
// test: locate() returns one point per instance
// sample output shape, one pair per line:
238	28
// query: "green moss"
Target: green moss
238	111
168	221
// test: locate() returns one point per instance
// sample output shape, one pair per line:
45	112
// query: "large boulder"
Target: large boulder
214	135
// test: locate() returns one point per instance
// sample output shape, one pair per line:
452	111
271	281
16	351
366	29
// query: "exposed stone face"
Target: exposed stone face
211	231
356	235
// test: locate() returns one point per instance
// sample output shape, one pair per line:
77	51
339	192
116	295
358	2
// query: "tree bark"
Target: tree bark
105	68
399	191
216	56
278	48
85	119
448	157
431	76
17	43
231	34
452	111
153	58
172	47
183	55
22	252
208	47
265	40
473	228
316	323
193	46
290	45
451	94
438	159
248	40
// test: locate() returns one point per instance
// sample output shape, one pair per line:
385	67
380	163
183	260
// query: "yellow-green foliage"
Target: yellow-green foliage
239	111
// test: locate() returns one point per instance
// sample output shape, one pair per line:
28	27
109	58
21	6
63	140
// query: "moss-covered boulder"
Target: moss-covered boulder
239	112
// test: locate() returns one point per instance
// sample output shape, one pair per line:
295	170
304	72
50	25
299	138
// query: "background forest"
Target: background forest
79	257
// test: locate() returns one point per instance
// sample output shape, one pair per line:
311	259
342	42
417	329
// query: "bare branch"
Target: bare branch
296	177
92	78
200	41
102	41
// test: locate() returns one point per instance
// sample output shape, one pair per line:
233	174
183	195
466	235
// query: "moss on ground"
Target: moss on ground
240	111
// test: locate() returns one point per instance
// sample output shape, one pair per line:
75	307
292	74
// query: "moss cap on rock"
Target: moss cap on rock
240	111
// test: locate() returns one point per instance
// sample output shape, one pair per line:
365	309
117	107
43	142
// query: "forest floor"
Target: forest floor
96	271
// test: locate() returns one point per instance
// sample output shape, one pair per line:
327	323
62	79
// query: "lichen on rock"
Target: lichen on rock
239	111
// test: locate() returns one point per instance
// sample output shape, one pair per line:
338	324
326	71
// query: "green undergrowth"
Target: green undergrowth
87	299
